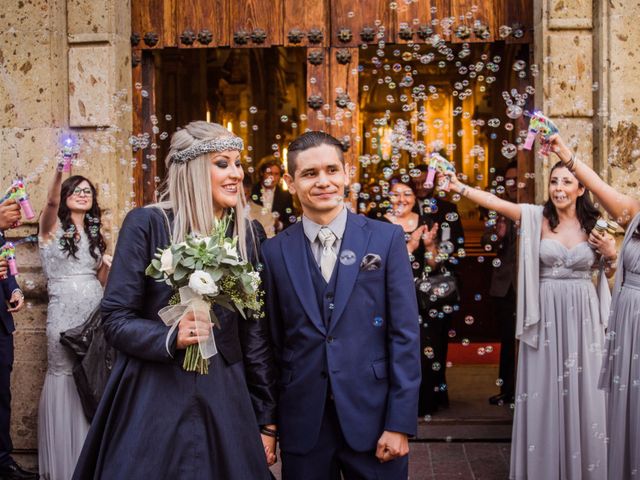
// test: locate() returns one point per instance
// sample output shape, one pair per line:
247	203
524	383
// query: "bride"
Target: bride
157	420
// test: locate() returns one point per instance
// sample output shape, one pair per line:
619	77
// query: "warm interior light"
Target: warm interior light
385	142
230	126
285	165
208	115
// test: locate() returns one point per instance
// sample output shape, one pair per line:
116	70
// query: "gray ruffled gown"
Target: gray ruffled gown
74	293
621	366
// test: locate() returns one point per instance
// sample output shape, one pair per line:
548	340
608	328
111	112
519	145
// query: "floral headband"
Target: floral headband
217	145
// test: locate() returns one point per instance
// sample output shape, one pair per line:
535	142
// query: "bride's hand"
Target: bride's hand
192	327
269	444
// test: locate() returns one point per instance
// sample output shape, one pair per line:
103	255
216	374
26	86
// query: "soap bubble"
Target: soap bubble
509	151
519	65
347	257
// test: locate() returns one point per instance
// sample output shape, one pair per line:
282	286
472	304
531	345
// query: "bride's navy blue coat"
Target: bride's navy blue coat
155	420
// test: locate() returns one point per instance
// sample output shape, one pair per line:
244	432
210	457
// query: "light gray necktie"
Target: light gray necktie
327	257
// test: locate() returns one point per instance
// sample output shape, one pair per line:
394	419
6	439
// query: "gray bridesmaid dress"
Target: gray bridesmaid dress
621	366
74	293
559	428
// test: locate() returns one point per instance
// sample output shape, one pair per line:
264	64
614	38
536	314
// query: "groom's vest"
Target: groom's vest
325	292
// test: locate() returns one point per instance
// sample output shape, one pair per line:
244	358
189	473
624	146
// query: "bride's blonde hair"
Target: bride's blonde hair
187	187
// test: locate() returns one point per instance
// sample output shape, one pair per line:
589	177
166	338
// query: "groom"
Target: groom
342	308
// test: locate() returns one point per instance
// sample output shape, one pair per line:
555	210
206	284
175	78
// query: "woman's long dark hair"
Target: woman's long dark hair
586	211
92	220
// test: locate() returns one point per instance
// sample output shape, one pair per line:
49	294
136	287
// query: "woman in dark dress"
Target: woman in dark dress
155	419
423	238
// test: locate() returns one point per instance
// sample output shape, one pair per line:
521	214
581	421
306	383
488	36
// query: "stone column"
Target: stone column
588	57
619	93
563	43
64	69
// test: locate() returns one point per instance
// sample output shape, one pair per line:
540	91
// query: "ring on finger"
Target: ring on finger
192	333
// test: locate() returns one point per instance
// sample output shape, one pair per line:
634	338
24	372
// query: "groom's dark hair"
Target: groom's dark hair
310	140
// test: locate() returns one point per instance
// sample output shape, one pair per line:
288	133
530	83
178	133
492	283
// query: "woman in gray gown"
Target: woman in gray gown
559	423
621	366
73	256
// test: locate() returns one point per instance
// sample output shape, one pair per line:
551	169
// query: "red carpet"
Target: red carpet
473	353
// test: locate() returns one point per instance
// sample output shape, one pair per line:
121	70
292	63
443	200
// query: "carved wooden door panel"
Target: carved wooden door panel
419	20
144	107
255	23
306	23
202	23
474	20
354	22
152	23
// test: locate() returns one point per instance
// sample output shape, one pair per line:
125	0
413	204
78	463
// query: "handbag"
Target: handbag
437	289
94	360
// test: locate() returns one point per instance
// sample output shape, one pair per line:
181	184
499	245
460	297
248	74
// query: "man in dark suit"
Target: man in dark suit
502	236
11	301
344	319
269	194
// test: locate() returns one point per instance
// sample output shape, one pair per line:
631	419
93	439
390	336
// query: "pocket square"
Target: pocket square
370	262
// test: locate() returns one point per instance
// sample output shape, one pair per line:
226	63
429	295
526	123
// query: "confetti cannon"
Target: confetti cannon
437	163
18	192
539	124
8	252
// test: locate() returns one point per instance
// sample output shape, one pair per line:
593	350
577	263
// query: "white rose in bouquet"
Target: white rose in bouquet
230	250
166	262
202	283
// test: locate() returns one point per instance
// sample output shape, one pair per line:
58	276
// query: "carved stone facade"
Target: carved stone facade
589	84
64	69
65	66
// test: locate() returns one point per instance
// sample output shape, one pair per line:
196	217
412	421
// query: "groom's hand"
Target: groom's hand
392	445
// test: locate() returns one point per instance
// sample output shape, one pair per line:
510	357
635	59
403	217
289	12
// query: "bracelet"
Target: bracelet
462	190
571	164
269	432
18	291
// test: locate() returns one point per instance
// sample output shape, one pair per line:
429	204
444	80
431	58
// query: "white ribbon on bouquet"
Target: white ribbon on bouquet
190	300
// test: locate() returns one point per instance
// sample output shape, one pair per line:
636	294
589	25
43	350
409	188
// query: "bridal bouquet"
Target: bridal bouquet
205	271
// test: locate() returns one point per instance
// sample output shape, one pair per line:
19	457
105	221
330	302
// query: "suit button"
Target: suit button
330	339
323	374
329	297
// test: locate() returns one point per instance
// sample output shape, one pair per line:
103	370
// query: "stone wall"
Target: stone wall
64	67
587	53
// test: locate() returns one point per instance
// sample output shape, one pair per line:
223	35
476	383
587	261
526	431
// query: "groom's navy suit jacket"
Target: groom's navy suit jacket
368	354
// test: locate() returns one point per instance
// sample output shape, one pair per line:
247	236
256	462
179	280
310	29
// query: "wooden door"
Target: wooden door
419	20
306	23
152	24
255	23
202	23
144	119
354	22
